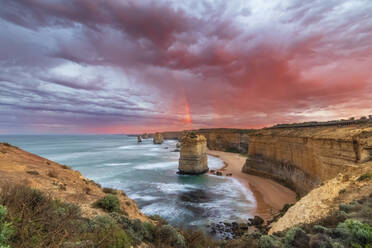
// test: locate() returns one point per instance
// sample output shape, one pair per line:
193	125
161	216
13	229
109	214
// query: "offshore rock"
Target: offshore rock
193	155
139	139
158	138
145	136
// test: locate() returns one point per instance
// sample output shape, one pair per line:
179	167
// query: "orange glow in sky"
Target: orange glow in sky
188	115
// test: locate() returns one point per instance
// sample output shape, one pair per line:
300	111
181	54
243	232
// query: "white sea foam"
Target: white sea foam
130	147
151	166
143	197
171	211
215	163
116	164
243	189
169	188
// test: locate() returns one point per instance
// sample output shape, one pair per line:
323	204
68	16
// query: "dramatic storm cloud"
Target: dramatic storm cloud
115	66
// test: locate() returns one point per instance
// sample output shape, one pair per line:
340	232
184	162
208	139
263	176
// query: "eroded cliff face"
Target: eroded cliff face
220	139
322	201
303	158
227	140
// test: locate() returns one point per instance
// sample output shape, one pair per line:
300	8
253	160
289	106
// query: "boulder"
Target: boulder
193	154
256	221
158	138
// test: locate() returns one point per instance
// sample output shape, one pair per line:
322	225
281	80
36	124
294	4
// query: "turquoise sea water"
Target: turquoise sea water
147	173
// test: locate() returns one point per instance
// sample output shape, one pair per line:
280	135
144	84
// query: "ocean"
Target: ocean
147	174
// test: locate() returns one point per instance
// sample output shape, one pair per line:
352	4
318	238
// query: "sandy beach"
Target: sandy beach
270	196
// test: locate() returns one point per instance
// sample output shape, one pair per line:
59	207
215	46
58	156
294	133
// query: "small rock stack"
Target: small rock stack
158	138
193	154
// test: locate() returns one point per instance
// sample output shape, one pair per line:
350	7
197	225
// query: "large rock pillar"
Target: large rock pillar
193	154
158	138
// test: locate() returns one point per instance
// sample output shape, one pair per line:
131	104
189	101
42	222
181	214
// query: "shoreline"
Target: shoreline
270	196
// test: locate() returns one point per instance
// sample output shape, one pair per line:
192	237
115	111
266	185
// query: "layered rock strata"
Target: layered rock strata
303	158
193	154
158	138
220	139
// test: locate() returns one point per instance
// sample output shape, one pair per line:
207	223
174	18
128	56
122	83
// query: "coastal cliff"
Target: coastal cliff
302	158
219	139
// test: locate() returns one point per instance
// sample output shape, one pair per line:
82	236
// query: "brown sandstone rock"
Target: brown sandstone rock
158	138
303	158
193	154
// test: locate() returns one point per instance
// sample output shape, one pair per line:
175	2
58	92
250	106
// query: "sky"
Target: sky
110	66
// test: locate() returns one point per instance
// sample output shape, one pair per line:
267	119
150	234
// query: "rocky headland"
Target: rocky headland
18	167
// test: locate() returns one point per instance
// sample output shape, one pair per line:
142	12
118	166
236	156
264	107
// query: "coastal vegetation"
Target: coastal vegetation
30	218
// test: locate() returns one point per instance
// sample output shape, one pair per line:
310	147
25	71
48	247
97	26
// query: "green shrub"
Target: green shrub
109	191
66	167
38	220
6	228
320	241
320	229
167	234
105	232
139	231
267	241
366	212
149	231
361	234
345	207
158	219
197	238
366	176
32	172
296	237
108	203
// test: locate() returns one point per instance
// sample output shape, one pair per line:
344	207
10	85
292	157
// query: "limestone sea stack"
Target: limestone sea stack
139	139
158	138
193	154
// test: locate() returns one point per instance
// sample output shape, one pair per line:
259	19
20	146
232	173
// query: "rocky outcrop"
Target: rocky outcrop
226	139
303	158
139	139
158	138
220	139
322	201
193	154
145	136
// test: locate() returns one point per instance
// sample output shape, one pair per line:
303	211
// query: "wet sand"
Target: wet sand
270	196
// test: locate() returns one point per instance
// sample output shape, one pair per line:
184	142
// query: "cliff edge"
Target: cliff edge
303	158
59	181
